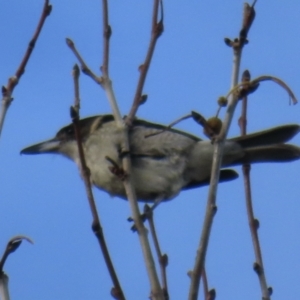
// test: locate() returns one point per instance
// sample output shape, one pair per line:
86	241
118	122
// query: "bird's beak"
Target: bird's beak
50	146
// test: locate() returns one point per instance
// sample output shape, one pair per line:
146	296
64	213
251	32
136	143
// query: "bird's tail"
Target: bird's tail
269	145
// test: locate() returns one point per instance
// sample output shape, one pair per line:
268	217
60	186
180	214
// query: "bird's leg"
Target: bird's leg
148	211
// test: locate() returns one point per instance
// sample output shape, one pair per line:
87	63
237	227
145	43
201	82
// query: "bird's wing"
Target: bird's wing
157	141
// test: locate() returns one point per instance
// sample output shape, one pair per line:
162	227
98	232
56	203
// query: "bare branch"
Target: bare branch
253	223
106	37
7	90
156	31
76	74
162	258
84	67
211	207
105	82
85	173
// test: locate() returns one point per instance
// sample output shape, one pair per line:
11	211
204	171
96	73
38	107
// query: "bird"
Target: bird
165	161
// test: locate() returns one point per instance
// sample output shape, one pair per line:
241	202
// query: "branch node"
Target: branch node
48	10
211	294
257	268
164	260
31	45
96	227
256	223
214	209
143	99
270	290
107	32
228	42
159	29
116	293
190	274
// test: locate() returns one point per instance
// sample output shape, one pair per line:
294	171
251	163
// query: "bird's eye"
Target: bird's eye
70	131
65	133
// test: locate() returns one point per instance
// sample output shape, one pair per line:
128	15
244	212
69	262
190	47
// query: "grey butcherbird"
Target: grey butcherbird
165	163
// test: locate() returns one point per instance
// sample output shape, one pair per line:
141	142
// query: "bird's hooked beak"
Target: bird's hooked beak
50	146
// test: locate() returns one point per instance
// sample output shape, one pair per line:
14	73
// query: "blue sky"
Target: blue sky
43	196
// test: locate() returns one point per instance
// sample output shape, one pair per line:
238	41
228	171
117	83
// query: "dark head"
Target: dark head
64	141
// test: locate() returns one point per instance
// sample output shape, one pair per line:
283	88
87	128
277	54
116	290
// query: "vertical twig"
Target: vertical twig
253	223
116	291
7	90
156	31
162	258
106	81
211	207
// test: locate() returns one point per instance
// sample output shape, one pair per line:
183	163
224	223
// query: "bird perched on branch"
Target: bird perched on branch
164	161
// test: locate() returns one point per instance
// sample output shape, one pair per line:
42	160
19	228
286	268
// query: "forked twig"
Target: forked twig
105	82
156	292
7	90
237	46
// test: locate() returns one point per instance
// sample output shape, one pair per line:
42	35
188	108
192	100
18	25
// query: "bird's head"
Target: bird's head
65	142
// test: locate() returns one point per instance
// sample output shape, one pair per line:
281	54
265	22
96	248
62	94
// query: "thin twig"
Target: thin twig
169	126
205	283
162	258
281	83
156	291
12	245
7	90
243	90
116	291
75	74
106	37
156	31
208	294
237	46
84	67
253	223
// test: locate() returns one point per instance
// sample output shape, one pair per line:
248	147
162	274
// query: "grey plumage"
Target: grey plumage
165	163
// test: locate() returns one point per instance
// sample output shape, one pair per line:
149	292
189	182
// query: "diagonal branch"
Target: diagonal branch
7	90
156	31
85	173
